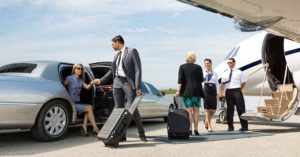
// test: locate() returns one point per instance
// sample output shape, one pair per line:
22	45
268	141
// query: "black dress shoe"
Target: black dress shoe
230	129
94	133
243	129
143	138
123	139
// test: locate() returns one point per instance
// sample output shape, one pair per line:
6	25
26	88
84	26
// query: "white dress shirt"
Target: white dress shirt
120	70
214	79
237	78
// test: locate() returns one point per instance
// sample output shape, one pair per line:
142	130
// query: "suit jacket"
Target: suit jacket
131	66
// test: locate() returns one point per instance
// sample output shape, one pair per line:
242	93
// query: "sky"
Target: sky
80	31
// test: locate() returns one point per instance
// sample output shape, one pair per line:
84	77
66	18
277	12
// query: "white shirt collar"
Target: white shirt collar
123	49
208	71
233	69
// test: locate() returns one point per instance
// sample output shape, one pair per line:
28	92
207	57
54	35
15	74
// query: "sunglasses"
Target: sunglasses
79	68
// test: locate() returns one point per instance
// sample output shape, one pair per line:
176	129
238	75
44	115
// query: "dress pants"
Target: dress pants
121	92
235	97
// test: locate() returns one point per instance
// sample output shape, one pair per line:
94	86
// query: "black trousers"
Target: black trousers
235	97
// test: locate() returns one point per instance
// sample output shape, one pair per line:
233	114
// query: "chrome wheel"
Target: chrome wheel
52	122
55	120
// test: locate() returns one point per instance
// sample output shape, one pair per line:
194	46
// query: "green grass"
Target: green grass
168	91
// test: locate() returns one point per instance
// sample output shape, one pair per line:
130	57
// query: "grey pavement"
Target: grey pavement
263	139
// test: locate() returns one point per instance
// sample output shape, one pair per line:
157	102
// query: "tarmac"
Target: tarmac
263	139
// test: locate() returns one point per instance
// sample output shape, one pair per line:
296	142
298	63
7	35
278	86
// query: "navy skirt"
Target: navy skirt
210	96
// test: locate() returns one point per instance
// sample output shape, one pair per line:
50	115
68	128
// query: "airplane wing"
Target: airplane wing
278	17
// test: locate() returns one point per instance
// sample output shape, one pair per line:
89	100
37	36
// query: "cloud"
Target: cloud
117	7
114	7
81	30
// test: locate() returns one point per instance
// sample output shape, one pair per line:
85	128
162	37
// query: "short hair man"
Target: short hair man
233	81
126	71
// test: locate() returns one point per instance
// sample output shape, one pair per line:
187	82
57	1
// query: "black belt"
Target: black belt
210	84
121	77
233	89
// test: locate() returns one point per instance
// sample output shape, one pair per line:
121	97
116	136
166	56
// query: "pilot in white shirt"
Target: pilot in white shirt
236	80
232	83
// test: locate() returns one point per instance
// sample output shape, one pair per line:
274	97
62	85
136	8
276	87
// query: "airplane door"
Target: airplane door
284	101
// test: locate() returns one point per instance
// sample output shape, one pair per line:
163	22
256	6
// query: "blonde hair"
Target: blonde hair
190	57
82	76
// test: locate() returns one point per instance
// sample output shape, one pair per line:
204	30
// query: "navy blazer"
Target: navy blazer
131	66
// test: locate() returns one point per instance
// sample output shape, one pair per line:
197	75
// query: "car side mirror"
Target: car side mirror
163	93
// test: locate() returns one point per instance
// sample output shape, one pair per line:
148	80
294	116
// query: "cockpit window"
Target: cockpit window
18	68
232	53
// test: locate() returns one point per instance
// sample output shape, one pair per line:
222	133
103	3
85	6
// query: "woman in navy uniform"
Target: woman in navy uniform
211	85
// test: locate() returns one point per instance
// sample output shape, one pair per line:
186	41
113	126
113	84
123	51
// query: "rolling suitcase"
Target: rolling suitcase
117	123
178	122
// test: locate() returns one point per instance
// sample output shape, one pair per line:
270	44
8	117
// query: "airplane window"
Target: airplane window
232	53
235	52
228	56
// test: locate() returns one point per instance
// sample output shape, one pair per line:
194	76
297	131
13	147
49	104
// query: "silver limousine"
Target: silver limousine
32	96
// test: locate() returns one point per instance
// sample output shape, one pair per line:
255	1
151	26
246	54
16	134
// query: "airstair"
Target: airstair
282	104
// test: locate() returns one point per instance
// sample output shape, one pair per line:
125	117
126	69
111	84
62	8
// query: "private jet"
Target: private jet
269	59
266	75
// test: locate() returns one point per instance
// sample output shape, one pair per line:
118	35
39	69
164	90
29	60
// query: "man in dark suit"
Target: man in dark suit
126	72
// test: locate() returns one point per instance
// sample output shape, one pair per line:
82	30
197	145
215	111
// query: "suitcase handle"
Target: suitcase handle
178	101
134	104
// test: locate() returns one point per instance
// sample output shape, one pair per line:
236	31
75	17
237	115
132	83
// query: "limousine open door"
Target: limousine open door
104	102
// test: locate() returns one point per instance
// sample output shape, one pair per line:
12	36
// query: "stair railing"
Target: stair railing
280	100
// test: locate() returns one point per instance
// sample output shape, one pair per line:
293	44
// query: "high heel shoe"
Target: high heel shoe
196	132
190	132
83	132
95	133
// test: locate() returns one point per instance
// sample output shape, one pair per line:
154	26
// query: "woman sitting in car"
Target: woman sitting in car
75	83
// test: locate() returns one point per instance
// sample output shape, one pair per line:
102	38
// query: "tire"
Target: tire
52	122
171	108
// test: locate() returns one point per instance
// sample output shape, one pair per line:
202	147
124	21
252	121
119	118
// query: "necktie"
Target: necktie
229	77
118	62
208	76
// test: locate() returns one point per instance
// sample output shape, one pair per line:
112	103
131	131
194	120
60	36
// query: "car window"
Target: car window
144	88
153	89
18	68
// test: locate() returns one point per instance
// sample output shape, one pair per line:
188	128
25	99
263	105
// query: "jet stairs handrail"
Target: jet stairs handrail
284	81
265	66
292	103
